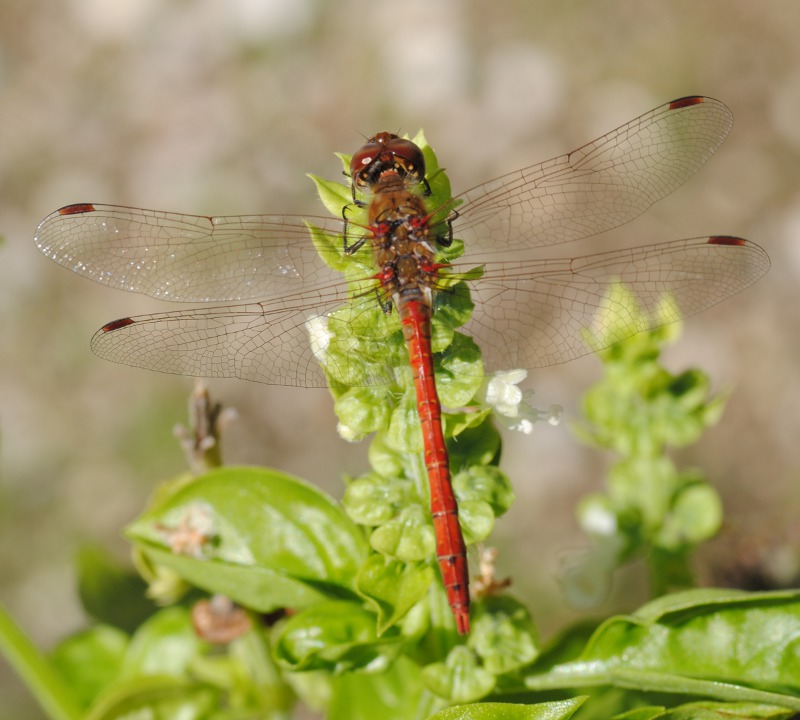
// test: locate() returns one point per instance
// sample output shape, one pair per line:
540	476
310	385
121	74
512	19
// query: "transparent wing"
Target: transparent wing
191	258
180	257
534	313
529	314
599	186
281	343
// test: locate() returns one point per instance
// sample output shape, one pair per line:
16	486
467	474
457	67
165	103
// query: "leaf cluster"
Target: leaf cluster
640	411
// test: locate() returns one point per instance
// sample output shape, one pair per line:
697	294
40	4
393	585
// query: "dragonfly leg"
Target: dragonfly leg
447	240
354	247
426	188
384	301
356	201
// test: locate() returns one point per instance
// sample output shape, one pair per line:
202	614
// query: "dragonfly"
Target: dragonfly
265	280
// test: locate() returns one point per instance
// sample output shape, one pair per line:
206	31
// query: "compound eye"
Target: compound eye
407	155
363	158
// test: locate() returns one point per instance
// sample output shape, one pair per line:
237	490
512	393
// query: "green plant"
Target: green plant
639	411
341	605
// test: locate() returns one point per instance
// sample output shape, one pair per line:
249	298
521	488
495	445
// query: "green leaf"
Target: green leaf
260	680
452	308
156	698
329	247
384	459
373	500
485	483
477	440
336	637
90	660
363	410
459	372
109	593
39	674
396	694
695	516
252	683
724	644
559	710
708	711
673	606
459	678
642	487
476	519
484	443
503	635
334	195
404	434
257	588
164	645
345	159
393	587
264	539
484	493
360	345
409	536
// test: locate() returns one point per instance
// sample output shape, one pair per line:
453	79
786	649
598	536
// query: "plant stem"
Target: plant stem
36	672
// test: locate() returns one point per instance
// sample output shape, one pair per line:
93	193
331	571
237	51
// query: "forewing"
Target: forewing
597	187
191	258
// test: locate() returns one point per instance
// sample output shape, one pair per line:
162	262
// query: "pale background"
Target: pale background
219	107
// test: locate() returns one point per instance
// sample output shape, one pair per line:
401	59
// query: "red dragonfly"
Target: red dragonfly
529	311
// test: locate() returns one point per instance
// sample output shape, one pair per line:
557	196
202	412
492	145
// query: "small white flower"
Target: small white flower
347	433
596	519
502	393
320	337
512	405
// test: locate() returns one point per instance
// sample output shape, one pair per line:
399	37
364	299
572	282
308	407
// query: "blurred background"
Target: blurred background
222	108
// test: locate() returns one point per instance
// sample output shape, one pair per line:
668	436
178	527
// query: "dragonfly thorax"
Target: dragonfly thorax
401	244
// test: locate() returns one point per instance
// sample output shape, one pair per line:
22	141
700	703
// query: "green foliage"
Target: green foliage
638	411
725	644
262	538
341	606
110	594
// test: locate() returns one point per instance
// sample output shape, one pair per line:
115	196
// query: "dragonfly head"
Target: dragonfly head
385	155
